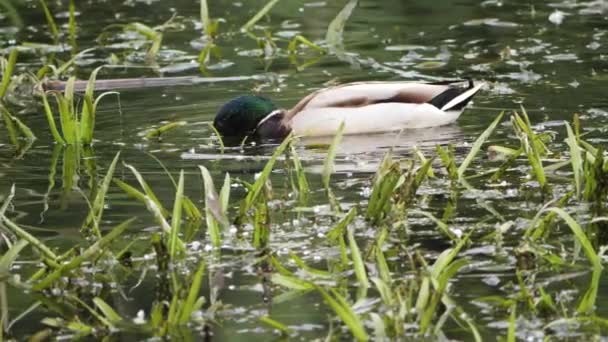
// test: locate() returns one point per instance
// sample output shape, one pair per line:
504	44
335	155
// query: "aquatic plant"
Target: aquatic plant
16	129
77	127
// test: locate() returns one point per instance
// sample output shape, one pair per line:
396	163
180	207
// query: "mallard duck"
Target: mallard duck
365	107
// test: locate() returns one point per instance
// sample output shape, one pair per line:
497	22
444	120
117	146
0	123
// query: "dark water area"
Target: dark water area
549	57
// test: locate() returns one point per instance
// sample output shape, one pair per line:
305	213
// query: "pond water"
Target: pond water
550	57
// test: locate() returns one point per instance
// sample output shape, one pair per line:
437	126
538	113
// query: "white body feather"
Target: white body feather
381	117
392	106
372	90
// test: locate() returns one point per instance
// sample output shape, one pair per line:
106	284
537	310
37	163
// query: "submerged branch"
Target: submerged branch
143	82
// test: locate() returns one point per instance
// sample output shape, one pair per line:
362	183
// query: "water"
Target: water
553	68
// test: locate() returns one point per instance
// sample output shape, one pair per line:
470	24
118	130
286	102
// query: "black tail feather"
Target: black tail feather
451	93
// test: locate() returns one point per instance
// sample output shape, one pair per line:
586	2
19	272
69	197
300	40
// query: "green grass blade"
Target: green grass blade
587	303
7	72
147	189
94	216
443	227
339	229
478	144
209	26
358	263
303	266
176	218
51	120
110	314
290	282
213	209
24	130
447	158
10	126
72	28
22	234
50	20
87	115
335	31
189	305
580	235
269	5
225	194
276	325
219	137
65	66
158	132
328	166
533	147
9	257
65	103
339	305
259	184
388	178
12	13
575	158
511	337
138	195
98	247
303	187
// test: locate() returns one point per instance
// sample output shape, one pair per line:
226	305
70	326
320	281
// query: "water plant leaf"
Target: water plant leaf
11	12
72	28
214	213
328	166
158	132
443	227
10	126
358	264
50	20
261	13
96	212
87	115
9	257
575	158
339	230
51	120
22	234
205	22
386	181
190	305
219	137
149	194
136	194
478	144
98	247
302	265
532	145
110	314
8	68
447	158
303	187
580	235
299	39
67	116
285	331
256	188
176	218
345	312
290	282
335	31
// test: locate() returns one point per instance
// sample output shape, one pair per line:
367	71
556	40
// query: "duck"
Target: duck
361	107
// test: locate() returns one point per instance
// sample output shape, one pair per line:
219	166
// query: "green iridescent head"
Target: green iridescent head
241	116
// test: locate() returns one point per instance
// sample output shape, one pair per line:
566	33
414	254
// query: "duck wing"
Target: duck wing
450	95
